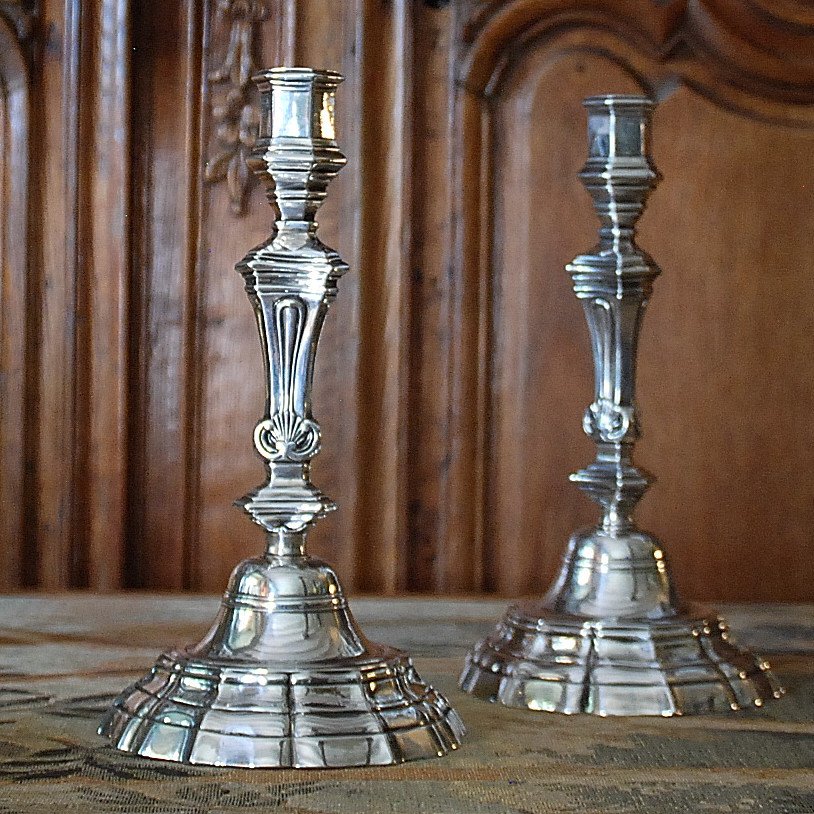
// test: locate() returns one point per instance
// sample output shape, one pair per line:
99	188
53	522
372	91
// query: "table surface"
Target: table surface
63	658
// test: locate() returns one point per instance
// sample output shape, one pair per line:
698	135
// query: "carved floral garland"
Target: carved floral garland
235	116
21	14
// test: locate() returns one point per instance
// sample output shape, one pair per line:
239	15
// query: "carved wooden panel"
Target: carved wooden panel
80	206
728	138
15	138
454	365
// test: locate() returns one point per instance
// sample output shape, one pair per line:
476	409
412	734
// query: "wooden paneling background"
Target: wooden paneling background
455	366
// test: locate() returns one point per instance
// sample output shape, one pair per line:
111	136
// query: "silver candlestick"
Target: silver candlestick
285	677
610	637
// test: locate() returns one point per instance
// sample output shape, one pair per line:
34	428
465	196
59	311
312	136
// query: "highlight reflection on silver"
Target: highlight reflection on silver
285	677
610	637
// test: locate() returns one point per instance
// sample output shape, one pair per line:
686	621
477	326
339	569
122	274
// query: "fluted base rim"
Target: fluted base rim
373	710
553	662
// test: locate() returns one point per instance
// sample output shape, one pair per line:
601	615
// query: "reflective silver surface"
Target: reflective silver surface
285	677
610	637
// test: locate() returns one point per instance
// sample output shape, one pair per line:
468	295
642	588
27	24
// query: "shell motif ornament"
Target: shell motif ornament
610	422
287	436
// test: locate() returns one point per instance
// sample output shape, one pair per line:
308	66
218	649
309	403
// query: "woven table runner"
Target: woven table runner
63	659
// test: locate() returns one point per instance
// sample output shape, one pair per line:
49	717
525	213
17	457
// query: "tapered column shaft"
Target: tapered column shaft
614	282
291	280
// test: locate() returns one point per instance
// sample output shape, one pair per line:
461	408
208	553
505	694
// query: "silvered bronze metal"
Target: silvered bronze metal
611	637
285	677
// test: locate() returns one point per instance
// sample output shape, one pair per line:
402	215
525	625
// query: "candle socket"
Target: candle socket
611	637
285	677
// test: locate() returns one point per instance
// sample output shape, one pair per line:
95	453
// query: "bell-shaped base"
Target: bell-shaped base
556	663
283	679
611	639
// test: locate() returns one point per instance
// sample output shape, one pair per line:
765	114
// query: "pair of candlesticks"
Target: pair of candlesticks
285	678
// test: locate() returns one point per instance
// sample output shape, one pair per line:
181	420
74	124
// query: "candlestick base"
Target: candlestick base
283	679
559	662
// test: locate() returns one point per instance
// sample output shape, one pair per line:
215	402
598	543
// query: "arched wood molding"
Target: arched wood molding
753	58
14	155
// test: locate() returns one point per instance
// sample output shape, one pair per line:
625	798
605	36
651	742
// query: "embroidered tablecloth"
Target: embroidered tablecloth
63	658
